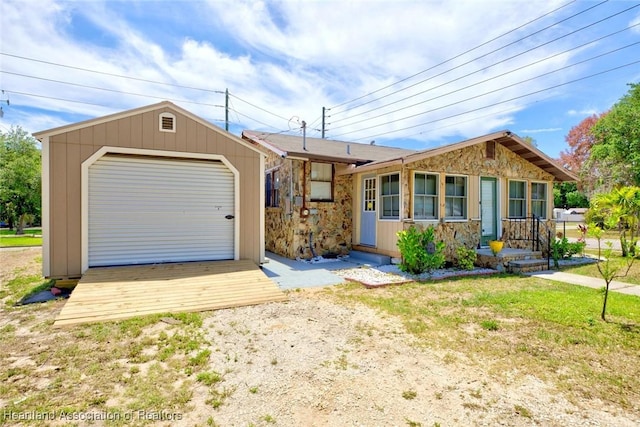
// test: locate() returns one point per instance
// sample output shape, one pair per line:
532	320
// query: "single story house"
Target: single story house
328	197
149	185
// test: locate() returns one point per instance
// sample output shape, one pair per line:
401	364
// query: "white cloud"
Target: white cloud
542	130
291	58
584	112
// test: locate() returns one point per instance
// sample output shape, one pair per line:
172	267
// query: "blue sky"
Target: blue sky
535	67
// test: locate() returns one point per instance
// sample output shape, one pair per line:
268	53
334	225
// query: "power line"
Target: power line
455	57
57	99
486	68
109	74
253	119
471	50
259	108
109	90
494	103
487	80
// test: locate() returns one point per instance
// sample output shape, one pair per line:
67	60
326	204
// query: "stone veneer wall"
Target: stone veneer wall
471	161
329	225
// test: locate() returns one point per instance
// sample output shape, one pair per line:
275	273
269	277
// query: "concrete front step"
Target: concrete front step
502	260
527	266
370	258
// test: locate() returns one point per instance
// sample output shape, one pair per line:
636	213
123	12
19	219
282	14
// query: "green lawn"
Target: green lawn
592	270
9	242
27	232
523	326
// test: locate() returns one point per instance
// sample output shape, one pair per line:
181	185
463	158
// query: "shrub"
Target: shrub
419	250
563	249
466	257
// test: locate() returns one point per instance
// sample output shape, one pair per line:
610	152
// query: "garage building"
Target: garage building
151	185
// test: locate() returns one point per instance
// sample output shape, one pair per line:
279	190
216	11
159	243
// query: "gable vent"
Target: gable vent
167	122
491	150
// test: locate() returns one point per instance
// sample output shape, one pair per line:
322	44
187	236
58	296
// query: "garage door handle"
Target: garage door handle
229	216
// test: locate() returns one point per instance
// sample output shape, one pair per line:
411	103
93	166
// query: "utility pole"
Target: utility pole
323	112
226	110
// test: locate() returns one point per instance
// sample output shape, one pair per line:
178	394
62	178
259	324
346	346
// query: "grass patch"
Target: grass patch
591	270
27	232
21	286
546	329
15	242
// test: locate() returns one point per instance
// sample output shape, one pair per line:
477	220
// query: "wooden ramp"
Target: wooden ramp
114	293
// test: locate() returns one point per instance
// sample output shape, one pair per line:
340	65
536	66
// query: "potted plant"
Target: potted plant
495	246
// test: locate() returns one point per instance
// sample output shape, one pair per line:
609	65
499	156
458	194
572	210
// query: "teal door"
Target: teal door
488	210
368	213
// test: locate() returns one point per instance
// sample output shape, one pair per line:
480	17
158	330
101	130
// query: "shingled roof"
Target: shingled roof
323	149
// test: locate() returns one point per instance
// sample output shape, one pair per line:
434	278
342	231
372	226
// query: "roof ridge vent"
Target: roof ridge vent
167	122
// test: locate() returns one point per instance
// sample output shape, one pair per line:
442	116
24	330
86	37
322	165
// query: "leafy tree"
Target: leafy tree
567	194
618	138
619	209
578	157
20	178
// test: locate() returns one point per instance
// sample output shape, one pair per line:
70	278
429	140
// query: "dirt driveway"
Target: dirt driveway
308	362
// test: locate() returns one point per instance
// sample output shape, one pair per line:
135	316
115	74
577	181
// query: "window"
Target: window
272	189
321	181
517	199
455	201
390	196
539	199
425	196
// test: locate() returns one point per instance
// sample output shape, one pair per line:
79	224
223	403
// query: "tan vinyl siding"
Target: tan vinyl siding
386	238
68	151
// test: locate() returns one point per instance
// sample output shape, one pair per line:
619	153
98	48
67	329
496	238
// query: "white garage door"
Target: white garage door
150	210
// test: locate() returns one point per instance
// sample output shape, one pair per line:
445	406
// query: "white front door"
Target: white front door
488	211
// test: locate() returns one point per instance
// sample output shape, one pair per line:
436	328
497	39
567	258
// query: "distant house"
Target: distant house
328	197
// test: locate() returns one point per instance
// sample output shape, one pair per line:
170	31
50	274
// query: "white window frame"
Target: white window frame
545	200
465	216
522	199
435	196
381	197
311	181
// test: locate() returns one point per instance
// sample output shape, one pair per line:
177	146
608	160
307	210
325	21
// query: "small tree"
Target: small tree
608	269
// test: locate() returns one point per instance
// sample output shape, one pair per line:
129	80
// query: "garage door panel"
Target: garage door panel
155	210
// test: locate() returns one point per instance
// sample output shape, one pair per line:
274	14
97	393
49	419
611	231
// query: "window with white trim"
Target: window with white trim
390	196
272	189
517	199
425	196
539	199
455	200
321	182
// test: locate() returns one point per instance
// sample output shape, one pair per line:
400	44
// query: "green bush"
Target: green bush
563	249
420	252
466	257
